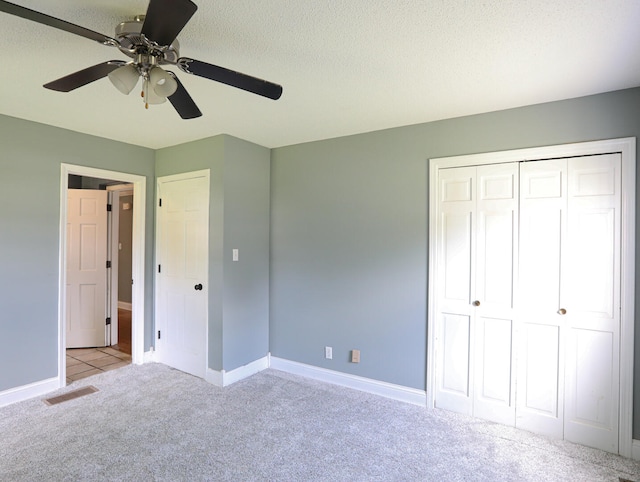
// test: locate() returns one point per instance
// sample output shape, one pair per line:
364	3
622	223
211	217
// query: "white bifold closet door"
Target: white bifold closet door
528	263
477	250
568	376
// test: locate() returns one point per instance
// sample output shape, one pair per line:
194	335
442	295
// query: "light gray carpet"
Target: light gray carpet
151	423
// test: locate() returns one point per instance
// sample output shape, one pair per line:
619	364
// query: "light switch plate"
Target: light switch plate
236	254
328	352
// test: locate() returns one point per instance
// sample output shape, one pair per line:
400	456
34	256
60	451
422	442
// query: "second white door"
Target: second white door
568	381
86	309
182	271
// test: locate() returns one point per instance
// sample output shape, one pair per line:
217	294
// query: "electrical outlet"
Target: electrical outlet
328	352
355	356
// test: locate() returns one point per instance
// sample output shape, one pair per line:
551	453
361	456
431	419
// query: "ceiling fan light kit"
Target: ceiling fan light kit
162	83
150	41
124	78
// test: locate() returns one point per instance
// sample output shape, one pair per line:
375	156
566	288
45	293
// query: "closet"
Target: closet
527	295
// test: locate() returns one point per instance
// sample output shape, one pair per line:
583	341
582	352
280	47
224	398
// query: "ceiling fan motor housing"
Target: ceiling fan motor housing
134	44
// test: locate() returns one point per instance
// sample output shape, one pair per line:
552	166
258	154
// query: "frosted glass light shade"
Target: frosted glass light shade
153	98
150	97
162	83
124	78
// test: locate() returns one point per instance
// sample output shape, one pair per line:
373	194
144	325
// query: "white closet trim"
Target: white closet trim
627	148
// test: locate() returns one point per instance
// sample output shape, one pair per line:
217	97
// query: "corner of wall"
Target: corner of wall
223	378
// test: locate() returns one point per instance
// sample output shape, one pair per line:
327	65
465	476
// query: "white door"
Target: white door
568	381
496	270
591	298
477	249
182	277
543	227
454	327
86	268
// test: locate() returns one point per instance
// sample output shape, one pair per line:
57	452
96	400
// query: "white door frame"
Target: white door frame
114	253
138	258
627	148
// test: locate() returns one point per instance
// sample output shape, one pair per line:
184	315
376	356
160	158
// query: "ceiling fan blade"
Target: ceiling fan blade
230	77
182	101
84	77
42	18
166	18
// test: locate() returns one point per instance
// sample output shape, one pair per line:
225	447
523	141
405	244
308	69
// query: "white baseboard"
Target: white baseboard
246	371
376	387
635	449
223	378
123	305
215	377
26	392
149	356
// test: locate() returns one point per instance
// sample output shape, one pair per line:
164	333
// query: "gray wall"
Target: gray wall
348	256
30	158
238	218
246	228
349	230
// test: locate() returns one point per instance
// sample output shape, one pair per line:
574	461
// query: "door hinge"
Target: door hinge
160	202
108	264
158	334
108	321
159	268
109	207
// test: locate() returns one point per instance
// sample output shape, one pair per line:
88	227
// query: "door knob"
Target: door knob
198	287
476	303
562	311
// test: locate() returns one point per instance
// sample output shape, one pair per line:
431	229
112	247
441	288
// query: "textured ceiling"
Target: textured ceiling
347	66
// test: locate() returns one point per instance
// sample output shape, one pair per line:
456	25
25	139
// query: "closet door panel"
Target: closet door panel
593	377
540	259
454	326
495	259
538	388
592	262
456	242
497	212
493	370
593	302
455	354
543	220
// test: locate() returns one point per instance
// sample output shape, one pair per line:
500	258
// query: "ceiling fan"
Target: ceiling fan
150	40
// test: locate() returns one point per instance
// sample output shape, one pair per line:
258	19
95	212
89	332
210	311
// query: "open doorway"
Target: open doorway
99	249
119	297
